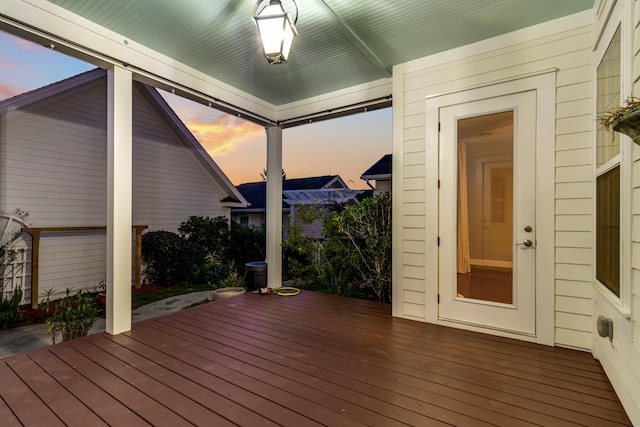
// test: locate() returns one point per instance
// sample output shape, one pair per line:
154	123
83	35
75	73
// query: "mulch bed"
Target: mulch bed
31	316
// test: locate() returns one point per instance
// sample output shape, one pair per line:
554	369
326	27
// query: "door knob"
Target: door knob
527	242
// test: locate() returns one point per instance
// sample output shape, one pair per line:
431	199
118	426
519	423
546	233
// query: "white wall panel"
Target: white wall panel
569	52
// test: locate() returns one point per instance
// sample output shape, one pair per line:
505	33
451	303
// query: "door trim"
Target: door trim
544	84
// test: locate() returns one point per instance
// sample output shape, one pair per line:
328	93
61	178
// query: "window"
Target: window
608	171
608	96
608	229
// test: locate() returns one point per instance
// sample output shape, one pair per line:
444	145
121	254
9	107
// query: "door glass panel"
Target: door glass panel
485	208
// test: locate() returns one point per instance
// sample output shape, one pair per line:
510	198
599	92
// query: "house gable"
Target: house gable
54	167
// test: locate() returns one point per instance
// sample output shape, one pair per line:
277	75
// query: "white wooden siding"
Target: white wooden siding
621	357
568	51
53	165
169	184
635	286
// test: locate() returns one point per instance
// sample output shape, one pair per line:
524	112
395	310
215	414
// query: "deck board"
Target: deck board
64	405
307	360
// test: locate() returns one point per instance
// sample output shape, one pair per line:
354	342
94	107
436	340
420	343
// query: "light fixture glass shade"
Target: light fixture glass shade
276	31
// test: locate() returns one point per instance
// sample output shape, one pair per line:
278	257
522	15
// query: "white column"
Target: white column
119	204
274	207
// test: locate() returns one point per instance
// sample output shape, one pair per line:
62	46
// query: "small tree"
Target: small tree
354	258
337	271
301	253
367	228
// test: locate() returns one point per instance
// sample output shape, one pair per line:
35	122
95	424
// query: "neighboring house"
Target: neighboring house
54	166
380	172
324	191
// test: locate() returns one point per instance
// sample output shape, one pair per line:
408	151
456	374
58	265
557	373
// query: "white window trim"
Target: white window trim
620	16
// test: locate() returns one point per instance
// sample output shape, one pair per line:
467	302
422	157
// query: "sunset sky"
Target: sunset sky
345	147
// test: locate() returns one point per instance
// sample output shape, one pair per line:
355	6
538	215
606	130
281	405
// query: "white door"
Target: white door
487	230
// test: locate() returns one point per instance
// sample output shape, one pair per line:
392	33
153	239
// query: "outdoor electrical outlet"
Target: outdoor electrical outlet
605	327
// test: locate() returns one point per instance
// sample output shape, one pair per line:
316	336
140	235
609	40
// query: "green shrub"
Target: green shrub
11	263
233	280
248	244
202	252
209	239
206	234
221	247
354	259
70	317
337	273
365	229
301	257
10	309
169	258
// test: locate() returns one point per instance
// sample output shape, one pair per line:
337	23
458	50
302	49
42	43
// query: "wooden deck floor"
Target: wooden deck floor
308	360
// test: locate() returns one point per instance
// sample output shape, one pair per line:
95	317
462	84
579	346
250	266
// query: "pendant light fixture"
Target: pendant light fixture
276	29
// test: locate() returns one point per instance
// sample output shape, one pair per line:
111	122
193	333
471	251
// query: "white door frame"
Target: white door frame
544	84
518	316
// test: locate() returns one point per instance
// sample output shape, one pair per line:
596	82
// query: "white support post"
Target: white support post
274	207
119	203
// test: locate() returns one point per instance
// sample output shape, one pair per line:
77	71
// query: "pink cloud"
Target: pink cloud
25	44
221	135
7	64
8	92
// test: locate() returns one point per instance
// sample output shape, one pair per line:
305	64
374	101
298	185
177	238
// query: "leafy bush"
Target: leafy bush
233	280
207	234
70	317
221	247
202	252
10	309
301	260
367	229
336	274
209	239
10	255
248	244
169	258
355	257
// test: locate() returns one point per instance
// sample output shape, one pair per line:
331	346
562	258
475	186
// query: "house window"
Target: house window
608	170
244	221
608	229
608	96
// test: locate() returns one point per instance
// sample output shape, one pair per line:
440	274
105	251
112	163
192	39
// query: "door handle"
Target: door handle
526	242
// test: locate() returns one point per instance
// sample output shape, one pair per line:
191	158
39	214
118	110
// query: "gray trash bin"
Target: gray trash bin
255	276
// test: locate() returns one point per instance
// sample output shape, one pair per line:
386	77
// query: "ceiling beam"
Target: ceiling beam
354	39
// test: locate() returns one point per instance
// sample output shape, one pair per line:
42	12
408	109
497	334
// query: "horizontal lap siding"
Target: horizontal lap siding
621	358
71	261
574	219
55	169
169	182
635	287
570	53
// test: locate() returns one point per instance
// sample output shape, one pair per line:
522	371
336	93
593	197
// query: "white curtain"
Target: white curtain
463	252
